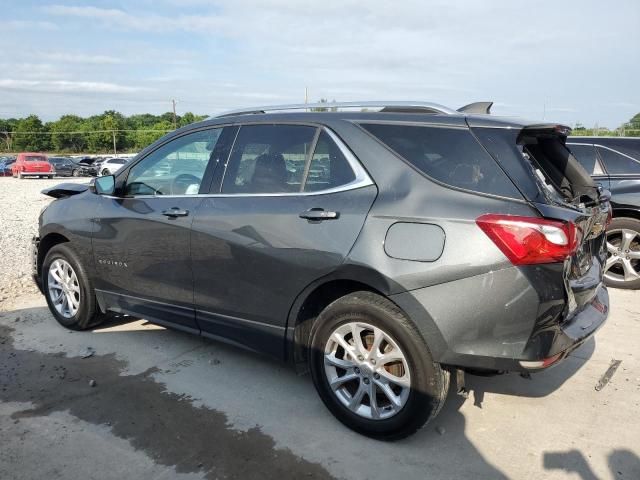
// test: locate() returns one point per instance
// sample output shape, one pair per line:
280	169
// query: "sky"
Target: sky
565	61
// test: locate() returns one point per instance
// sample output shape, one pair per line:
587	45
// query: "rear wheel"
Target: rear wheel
75	173
622	269
373	370
105	172
68	290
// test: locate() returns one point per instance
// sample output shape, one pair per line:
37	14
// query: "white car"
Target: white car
112	165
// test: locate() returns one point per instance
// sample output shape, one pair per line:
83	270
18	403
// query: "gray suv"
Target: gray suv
382	250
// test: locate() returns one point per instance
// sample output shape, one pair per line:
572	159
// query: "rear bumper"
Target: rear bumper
499	321
36	174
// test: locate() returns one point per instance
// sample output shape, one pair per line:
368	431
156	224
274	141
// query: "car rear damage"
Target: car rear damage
574	212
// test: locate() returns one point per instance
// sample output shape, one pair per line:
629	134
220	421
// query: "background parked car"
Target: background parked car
30	164
111	165
5	166
64	166
85	167
614	162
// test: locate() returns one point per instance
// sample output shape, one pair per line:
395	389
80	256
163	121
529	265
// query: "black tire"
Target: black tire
429	381
614	277
88	314
105	172
75	173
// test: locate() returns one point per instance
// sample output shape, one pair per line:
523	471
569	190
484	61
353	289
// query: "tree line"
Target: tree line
97	133
94	134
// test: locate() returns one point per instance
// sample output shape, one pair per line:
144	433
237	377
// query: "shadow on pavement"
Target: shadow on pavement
153	421
540	384
623	464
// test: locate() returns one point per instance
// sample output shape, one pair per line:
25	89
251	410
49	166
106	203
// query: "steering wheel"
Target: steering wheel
182	182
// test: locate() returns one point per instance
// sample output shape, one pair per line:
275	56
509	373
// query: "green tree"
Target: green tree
62	140
145	138
30	135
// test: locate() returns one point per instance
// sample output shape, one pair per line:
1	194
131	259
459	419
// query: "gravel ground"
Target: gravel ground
20	205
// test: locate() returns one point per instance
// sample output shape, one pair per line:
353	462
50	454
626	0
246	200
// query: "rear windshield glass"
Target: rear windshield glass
449	155
34	158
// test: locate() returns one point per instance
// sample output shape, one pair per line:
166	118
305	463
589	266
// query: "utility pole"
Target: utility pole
173	103
115	152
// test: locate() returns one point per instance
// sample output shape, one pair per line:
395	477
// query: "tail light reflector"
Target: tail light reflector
530	240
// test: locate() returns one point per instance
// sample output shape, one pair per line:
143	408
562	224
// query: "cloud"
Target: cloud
70	57
28	24
67	86
140	22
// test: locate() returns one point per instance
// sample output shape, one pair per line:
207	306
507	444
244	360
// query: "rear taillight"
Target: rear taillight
530	240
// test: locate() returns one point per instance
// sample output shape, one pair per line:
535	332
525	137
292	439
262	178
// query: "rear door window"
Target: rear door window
269	159
617	163
328	168
449	155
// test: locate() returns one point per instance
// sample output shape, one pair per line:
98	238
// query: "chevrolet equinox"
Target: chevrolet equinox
382	246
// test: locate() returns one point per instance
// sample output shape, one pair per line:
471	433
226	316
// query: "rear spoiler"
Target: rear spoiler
477	107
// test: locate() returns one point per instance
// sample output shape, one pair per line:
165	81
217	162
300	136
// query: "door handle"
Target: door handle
318	215
175	212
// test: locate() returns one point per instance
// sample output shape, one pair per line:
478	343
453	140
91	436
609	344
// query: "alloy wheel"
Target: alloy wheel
367	370
64	288
623	261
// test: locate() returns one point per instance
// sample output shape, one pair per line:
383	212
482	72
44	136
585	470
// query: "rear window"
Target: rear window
34	158
449	155
618	163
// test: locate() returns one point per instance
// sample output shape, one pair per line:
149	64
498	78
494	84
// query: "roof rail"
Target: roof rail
397	106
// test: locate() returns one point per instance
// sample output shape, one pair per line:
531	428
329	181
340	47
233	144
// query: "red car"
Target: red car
32	165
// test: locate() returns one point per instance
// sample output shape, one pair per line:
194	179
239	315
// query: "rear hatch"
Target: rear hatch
551	179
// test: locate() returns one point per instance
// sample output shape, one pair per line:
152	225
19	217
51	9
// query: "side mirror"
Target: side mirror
105	185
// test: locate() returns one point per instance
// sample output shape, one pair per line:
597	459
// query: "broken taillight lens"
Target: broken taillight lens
530	240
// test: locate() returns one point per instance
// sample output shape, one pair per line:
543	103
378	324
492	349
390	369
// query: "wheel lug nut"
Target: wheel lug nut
376	376
366	381
360	357
357	370
373	361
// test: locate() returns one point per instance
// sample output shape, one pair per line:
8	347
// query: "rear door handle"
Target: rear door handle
175	212
319	214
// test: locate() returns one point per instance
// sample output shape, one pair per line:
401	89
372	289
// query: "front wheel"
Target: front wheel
105	172
373	370
75	173
68	290
622	269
